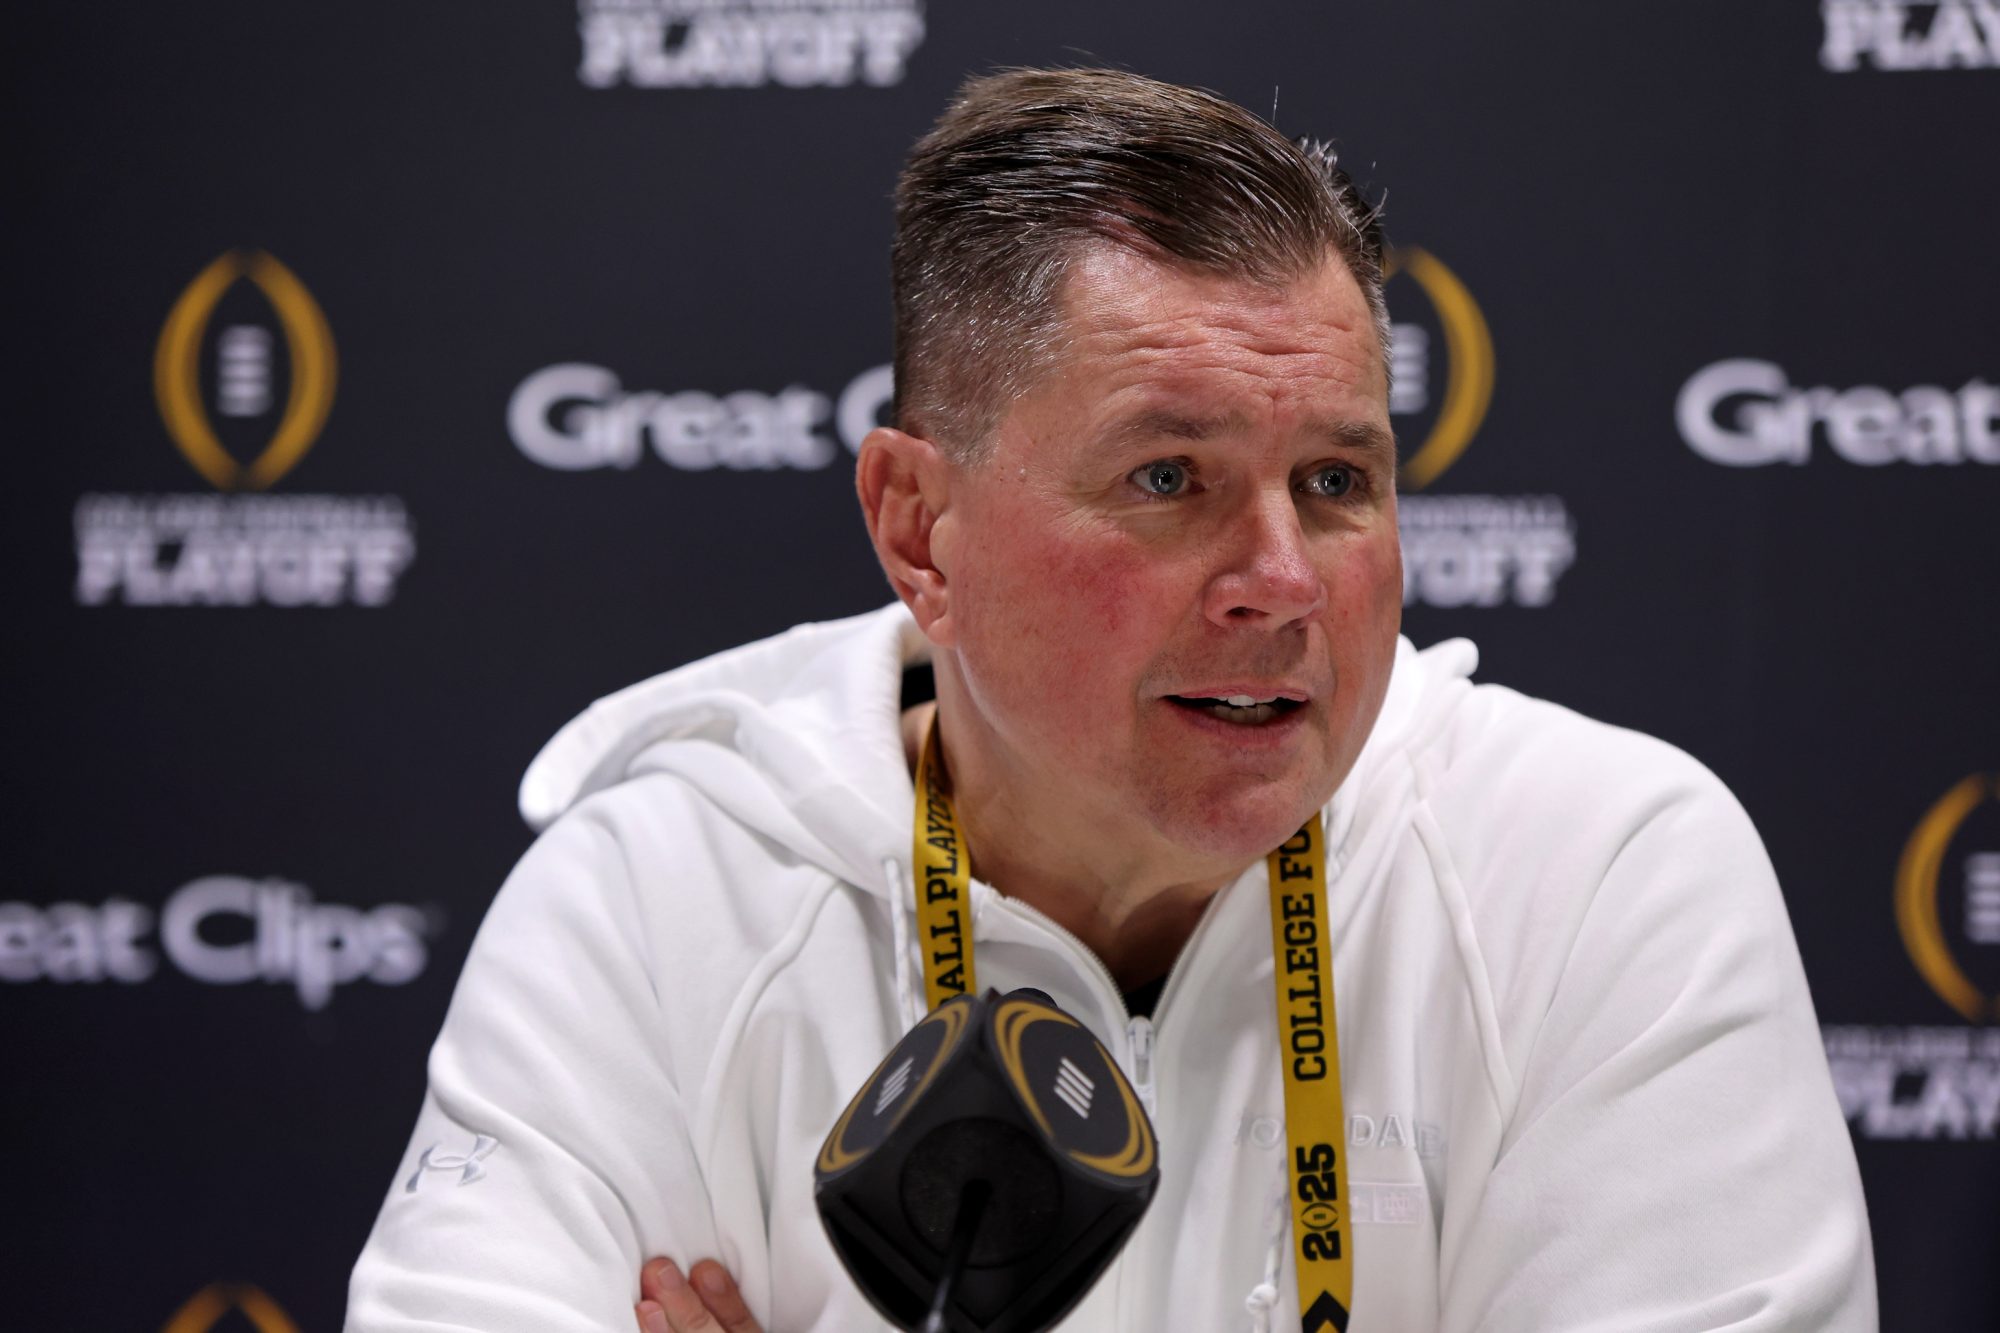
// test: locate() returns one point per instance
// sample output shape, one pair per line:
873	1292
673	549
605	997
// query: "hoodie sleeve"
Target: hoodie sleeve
1674	1158
552	1154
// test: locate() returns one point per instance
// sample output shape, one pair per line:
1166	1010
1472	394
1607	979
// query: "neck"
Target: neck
1130	904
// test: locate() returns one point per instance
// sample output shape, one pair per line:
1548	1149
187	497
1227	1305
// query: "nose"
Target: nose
1265	577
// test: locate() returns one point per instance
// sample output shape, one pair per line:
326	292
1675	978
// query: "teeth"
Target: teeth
1250	713
1241	708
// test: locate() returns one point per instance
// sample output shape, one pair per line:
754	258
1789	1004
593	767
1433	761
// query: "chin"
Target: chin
1234	828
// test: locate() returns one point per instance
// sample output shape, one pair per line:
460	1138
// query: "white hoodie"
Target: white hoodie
1583	1080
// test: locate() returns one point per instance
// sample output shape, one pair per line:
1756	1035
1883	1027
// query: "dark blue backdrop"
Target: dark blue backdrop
389	381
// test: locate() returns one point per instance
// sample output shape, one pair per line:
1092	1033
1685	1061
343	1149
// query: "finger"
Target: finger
652	1319
681	1304
651	1286
724	1301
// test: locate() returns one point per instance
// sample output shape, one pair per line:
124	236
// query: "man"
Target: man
1139	512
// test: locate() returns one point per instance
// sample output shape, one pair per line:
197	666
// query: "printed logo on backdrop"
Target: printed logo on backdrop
747	43
1748	413
1938	1082
1458	550
575	417
222	930
1953	938
210	1306
1905	35
244	376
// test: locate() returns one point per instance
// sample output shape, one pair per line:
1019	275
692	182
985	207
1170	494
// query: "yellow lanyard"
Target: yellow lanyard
1309	1049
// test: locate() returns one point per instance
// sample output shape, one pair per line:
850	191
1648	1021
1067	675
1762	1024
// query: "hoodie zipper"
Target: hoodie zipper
1138	1027
1138	1032
1093	964
1091	961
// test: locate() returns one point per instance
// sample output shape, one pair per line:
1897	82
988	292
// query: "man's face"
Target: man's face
1197	502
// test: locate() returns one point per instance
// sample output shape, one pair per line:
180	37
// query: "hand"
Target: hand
670	1303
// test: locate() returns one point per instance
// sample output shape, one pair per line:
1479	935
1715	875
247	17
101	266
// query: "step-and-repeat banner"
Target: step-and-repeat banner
390	380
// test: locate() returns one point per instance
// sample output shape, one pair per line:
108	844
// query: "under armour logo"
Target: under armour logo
467	1164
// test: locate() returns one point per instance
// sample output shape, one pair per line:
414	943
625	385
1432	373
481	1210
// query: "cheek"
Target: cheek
1049	605
1365	612
1366	589
1098	590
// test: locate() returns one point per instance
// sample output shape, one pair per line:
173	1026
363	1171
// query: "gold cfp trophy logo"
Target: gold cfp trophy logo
177	371
1917	899
1468	356
207	1307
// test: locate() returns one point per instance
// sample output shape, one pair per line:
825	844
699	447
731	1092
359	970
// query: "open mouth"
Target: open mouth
1241	709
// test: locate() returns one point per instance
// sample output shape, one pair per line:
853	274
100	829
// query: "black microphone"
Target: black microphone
988	1171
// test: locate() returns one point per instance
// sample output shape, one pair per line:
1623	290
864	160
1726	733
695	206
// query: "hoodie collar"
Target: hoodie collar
798	737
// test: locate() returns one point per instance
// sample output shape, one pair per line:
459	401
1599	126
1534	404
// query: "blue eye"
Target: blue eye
1331	482
1163	478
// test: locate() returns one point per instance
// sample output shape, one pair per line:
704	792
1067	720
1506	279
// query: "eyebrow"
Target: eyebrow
1365	436
1154	424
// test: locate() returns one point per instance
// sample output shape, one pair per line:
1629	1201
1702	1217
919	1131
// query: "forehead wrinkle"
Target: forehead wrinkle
1163	336
1208	367
1194	358
1113	292
1202	392
1215	346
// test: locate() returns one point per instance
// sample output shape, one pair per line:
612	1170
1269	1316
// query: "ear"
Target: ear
905	487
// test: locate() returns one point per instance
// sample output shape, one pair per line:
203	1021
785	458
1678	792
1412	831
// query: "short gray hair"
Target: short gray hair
1026	168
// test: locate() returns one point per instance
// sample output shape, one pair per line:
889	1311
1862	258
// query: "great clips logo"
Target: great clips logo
1748	413
577	417
224	930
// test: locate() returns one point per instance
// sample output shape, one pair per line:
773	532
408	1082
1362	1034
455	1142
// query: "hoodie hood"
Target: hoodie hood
797	737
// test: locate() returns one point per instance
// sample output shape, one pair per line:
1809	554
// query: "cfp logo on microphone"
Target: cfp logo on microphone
894	1085
1074	1087
466	1165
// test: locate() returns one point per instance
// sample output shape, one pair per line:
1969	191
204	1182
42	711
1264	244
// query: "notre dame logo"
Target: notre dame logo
217	371
1948	898
210	1307
1442	358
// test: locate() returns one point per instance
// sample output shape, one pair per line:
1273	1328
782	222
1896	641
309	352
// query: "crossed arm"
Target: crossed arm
702	1301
